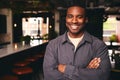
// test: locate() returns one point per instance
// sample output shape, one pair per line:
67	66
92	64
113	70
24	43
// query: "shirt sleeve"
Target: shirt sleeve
50	64
102	73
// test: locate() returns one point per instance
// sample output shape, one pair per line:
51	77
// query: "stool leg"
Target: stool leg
39	69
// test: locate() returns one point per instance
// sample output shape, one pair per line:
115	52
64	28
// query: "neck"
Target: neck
75	35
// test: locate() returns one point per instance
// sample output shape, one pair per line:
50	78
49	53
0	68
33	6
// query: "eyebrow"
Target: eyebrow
77	15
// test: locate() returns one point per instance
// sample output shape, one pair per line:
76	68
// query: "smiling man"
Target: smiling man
76	55
75	21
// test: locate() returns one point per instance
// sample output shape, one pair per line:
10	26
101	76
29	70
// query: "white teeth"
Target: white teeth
74	27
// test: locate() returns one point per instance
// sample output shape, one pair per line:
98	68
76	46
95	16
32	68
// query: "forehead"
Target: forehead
76	10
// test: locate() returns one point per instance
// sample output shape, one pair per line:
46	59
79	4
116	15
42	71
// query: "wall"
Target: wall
8	13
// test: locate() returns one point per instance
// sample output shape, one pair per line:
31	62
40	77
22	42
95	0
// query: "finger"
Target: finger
91	62
94	62
96	66
98	60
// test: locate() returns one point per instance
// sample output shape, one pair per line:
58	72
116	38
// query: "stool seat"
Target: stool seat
22	63
39	55
31	59
22	70
9	77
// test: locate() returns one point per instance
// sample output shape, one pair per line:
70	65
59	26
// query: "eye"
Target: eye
79	16
69	16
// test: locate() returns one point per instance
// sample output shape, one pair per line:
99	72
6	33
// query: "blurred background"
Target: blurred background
40	17
31	20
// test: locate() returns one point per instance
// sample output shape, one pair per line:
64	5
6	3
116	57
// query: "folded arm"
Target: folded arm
50	65
97	69
94	64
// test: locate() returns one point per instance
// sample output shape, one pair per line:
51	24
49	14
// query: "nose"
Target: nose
74	20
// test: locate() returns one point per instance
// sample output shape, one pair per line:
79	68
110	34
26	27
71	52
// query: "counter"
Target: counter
18	47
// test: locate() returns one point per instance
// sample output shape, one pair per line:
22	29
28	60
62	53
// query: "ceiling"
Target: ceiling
111	6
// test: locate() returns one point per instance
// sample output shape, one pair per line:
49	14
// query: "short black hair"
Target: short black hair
79	3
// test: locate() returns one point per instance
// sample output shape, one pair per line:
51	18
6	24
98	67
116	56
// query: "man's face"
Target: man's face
75	19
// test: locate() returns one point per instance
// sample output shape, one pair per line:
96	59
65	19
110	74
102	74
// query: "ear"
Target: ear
66	24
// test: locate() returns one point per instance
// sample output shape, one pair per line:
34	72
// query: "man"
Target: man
76	55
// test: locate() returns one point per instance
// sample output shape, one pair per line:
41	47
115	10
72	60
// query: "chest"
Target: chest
81	57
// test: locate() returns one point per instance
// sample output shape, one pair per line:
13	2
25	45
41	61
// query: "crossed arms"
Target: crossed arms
97	69
94	64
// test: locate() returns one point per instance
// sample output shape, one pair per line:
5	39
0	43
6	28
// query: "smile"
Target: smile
74	26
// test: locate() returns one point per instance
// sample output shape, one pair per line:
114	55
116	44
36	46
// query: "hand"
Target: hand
94	64
61	67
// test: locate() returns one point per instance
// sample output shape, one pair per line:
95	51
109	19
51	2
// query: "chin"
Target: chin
77	31
74	32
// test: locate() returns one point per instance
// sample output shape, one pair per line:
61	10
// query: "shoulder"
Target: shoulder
98	46
56	41
97	42
53	45
93	40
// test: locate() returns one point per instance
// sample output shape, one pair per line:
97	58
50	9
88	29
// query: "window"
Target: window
110	27
30	26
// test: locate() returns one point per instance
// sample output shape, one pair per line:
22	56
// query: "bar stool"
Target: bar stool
31	59
22	70
40	59
39	69
21	63
39	55
24	73
9	77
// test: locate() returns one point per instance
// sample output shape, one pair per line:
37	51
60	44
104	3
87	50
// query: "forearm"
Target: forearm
50	74
90	72
50	65
50	70
77	73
